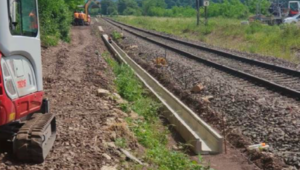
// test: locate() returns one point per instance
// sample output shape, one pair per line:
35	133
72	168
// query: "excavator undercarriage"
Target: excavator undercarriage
32	139
35	138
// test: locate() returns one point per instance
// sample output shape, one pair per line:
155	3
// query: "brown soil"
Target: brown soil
87	124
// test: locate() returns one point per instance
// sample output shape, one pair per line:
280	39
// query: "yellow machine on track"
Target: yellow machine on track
84	18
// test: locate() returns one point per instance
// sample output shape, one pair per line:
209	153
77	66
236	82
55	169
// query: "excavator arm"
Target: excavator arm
86	8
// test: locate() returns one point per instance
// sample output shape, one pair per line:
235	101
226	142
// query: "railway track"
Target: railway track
276	78
199	135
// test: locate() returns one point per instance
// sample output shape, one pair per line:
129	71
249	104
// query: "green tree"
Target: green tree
180	3
108	7
124	4
132	11
148	4
171	3
74	3
229	9
55	21
253	4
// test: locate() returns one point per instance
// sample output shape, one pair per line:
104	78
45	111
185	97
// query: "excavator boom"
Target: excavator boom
86	8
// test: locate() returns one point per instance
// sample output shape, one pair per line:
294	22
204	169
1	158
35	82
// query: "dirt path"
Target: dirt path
72	75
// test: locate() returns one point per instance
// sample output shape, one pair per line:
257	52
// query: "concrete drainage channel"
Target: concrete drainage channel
198	134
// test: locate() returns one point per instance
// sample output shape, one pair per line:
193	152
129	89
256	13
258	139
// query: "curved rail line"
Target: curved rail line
289	83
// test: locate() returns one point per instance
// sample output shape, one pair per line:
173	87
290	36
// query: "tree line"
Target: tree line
55	19
148	7
183	8
56	16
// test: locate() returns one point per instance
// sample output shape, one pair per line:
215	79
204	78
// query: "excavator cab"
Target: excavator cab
24	117
294	7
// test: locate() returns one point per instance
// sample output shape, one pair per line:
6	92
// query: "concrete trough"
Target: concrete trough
197	133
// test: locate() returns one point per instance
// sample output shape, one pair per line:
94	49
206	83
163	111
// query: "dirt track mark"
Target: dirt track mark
72	75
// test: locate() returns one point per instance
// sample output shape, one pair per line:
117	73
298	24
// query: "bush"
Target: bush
132	11
156	11
55	20
183	12
174	12
264	5
228	9
116	35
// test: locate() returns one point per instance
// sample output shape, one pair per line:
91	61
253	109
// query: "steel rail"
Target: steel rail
218	52
266	83
197	133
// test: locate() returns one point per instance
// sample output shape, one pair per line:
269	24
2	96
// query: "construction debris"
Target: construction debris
106	156
259	147
103	92
207	98
133	47
198	88
130	156
122	35
159	61
109	168
118	99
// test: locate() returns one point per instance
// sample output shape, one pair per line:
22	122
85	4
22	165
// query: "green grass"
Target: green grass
116	35
121	142
278	41
149	130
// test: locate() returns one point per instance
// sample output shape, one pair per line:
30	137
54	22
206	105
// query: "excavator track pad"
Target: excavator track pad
35	138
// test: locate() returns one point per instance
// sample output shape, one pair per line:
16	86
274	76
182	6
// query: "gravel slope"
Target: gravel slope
256	114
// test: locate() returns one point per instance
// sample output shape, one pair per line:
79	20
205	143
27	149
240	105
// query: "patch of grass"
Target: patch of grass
121	142
278	41
116	35
125	107
150	131
50	40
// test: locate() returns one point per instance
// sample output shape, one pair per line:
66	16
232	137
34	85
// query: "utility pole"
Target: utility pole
205	11
205	4
198	12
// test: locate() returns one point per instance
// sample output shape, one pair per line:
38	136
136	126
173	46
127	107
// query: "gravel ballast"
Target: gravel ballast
257	114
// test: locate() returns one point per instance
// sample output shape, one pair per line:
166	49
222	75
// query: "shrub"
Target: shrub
132	11
116	35
149	131
228	9
55	20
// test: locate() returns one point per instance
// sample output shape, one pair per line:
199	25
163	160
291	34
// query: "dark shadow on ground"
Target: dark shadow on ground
6	149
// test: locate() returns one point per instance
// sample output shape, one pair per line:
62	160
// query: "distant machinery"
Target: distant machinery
89	4
279	11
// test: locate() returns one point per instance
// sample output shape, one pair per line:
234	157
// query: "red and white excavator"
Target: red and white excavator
294	8
25	121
